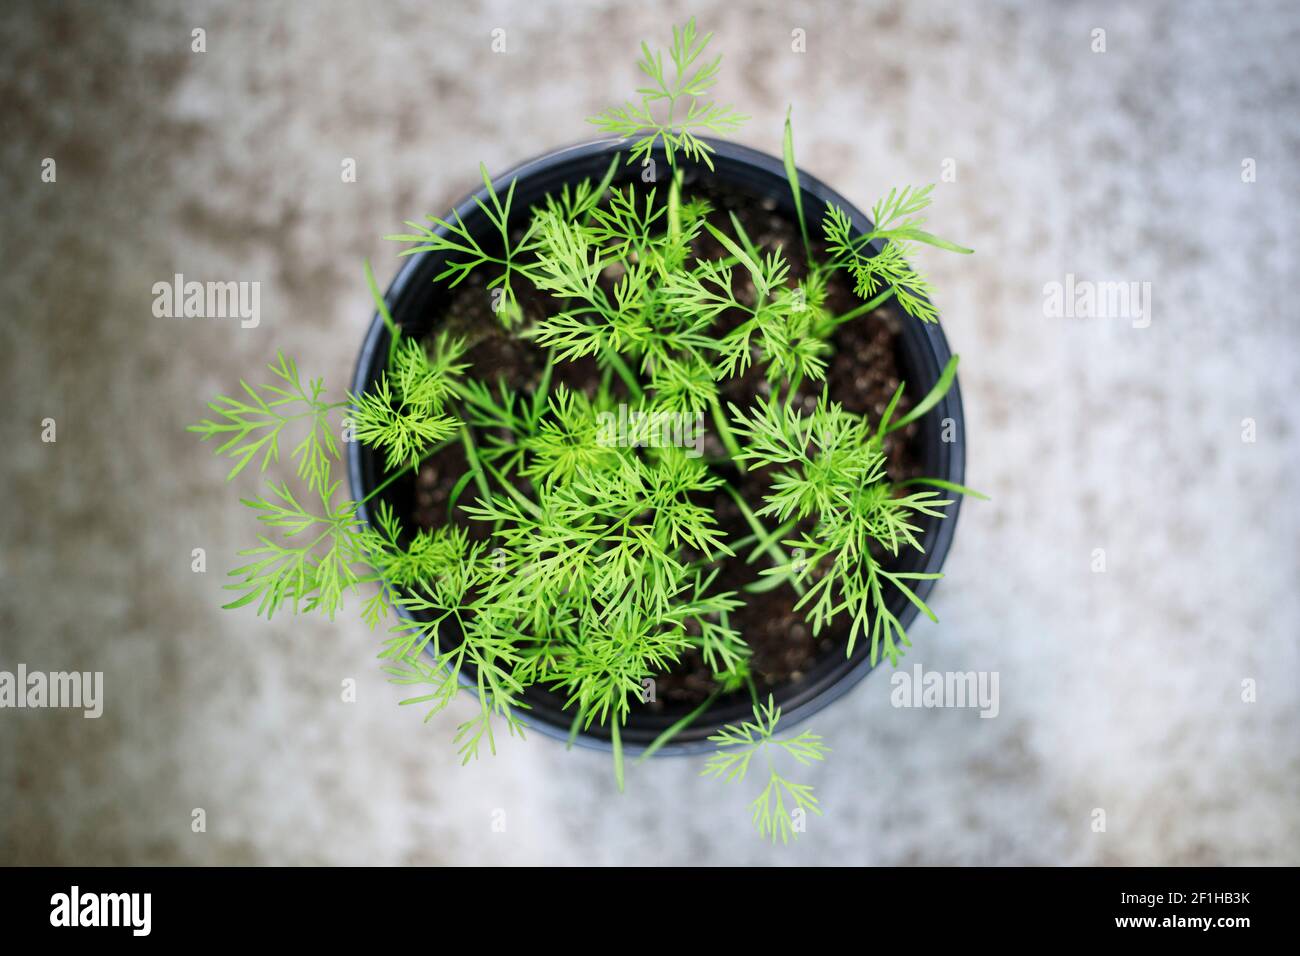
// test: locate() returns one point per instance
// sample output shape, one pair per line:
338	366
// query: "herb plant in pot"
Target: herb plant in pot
654	444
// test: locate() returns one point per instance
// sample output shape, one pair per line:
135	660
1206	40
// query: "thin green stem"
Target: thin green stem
466	395
725	433
386	482
678	727
618	365
402	471
864	308
394	330
774	550
618	751
576	726
471	456
793	386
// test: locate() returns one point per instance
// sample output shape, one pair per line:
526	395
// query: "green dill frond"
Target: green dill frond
897	226
428	379
452	573
603	667
619	323
898	210
402	414
575	203
873	271
568	259
690	82
737	746
438	558
402	431
252	426
770	814
493	658
573	439
831	467
648	506
683	386
721	646
704	291
622	228
785	328
464	253
309	564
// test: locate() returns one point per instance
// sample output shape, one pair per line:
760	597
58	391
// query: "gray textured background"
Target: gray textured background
1119	690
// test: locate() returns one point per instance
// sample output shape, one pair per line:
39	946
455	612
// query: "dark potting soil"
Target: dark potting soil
862	375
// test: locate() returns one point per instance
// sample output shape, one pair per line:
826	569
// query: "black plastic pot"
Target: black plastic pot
414	299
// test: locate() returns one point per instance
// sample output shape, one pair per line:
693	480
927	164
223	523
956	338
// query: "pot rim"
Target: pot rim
811	697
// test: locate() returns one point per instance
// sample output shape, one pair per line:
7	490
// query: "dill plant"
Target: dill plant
600	566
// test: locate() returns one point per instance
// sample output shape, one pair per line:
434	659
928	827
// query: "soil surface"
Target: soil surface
863	373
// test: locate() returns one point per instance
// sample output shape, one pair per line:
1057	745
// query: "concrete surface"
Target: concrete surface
1120	691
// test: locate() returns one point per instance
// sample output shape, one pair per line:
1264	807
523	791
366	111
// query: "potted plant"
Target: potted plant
651	441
